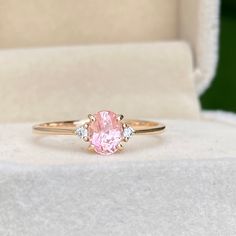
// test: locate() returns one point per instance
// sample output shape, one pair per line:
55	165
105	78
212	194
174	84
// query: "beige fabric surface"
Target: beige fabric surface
57	23
52	22
138	80
183	139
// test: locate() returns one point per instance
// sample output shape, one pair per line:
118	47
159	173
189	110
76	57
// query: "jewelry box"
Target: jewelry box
145	59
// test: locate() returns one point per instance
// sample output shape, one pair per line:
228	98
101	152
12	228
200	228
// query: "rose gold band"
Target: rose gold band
105	130
69	127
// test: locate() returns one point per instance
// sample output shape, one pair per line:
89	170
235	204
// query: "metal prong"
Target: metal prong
120	147
120	117
126	139
124	125
86	139
91	148
86	125
91	117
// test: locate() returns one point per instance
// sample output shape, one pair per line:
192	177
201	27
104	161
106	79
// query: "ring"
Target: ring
106	131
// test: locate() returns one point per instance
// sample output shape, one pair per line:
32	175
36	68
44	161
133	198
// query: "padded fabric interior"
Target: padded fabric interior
61	23
178	197
52	22
138	80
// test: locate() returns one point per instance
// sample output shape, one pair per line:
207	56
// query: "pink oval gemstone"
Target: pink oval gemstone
105	133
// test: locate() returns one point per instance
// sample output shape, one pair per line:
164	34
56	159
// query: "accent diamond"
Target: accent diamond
82	132
128	132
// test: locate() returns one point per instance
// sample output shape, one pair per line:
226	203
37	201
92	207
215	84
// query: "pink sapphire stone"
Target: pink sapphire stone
105	133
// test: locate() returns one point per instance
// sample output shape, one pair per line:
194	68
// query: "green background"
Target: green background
222	93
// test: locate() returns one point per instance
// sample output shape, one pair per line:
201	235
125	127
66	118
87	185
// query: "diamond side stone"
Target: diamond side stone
128	132
82	132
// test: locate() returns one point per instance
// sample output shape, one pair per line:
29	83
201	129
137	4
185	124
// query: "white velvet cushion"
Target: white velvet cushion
178	197
181	183
137	80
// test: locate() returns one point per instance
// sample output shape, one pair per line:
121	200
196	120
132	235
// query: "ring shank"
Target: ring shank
69	127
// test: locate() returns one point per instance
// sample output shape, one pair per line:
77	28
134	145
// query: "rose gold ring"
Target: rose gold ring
105	131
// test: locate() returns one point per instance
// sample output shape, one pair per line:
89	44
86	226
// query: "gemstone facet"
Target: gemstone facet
105	133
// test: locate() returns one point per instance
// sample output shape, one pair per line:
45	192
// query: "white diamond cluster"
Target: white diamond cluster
82	132
128	132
